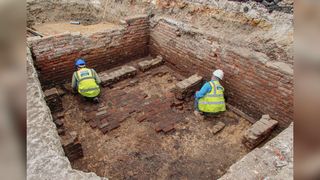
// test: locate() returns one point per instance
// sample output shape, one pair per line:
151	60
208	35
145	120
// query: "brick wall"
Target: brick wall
54	56
253	82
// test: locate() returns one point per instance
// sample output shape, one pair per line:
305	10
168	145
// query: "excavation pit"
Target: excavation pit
135	149
139	129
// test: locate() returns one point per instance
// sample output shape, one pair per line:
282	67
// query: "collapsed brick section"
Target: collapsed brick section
149	64
115	76
54	56
72	147
259	131
254	84
187	87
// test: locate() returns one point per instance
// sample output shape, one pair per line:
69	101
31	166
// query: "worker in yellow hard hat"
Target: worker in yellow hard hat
86	81
210	98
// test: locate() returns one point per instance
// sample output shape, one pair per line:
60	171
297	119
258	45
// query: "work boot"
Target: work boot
96	100
199	115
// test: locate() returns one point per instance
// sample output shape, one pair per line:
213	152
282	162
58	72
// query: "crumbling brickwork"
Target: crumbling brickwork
54	56
253	82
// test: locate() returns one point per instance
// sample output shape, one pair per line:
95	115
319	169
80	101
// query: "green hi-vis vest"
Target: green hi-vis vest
213	102
87	85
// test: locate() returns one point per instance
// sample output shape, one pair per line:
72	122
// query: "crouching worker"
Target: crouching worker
86	81
210	98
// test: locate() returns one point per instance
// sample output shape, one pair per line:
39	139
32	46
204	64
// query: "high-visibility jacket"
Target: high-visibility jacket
213	102
87	85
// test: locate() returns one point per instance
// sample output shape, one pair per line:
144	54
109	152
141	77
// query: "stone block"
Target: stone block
149	64
259	131
187	87
124	72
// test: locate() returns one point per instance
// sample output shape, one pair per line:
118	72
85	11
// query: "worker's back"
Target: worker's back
87	82
213	101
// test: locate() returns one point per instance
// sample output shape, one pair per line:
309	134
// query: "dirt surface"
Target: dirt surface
61	27
136	151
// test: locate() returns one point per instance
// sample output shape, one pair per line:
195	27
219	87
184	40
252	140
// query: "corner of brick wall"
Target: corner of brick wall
253	83
55	55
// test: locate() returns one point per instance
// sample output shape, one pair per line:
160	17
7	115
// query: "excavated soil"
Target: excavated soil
61	27
136	151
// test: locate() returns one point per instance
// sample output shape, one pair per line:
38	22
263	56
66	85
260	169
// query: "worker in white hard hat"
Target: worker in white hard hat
210	98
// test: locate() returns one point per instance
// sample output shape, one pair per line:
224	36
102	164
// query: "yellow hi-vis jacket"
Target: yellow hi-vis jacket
213	102
87	85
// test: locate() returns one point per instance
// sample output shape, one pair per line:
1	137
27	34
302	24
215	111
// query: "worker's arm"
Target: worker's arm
204	90
96	76
74	82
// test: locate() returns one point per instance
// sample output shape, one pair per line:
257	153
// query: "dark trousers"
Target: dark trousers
196	104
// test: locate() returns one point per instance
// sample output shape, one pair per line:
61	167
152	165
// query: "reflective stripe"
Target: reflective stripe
214	95
90	89
222	102
85	78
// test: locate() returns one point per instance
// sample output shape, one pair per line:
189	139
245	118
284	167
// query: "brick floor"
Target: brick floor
129	98
141	124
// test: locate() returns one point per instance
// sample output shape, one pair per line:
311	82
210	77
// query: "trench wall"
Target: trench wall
45	156
54	56
253	82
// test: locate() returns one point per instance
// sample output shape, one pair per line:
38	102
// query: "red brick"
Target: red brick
247	80
168	128
131	44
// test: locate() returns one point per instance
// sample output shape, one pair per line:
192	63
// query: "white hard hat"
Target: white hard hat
218	73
